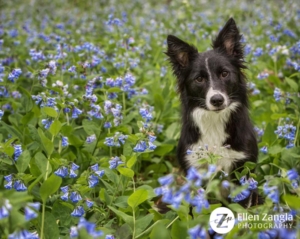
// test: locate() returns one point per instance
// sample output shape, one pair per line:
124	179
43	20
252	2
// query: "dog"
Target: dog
213	94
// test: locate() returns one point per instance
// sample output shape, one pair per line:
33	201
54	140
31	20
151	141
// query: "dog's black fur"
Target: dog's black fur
194	82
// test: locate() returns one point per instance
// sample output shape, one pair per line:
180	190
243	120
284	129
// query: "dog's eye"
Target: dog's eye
224	74
199	79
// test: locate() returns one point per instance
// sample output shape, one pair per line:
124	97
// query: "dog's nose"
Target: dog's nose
217	100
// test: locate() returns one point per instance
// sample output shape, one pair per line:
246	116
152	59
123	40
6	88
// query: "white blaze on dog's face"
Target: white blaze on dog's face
215	99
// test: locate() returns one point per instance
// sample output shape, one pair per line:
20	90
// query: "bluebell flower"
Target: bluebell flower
109	237
152	146
66	110
107	125
166	180
122	138
34	205
225	184
91	139
65	189
200	201
78	212
74	166
262	75
189	152
112	95
159	128
110	141
292	174
146	114
4	210
194	176
8	185
151	138
18	151
89	227
252	184
72	174
116	111
8	178
19	186
264	150
14	74
72	69
23	234
44	73
1	114
100	173
75	197
258	52
197	232
264	235
241	196
47	123
73	232
115	162
65	196
259	131
271	192
76	112
62	172
295	184
89	203
93	181
140	147
64	141
110	82
95	167
29	214
277	94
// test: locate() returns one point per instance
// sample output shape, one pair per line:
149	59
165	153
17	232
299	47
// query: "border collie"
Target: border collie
213	94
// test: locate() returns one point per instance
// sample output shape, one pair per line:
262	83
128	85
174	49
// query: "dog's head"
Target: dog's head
213	79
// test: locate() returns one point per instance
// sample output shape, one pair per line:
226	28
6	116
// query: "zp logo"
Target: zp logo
222	220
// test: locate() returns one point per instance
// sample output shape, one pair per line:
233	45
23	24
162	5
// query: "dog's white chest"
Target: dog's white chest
212	127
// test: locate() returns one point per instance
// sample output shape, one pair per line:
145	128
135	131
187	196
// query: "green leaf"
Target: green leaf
23	161
49	111
237	208
48	145
269	135
160	231
276	149
50	186
127	149
178	230
41	162
55	127
51	230
126	172
159	102
292	83
62	213
131	161
90	127
128	219
250	165
138	197
143	223
163	149
292	201
114	89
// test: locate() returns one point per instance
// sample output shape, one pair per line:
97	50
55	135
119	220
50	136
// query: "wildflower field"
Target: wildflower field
90	119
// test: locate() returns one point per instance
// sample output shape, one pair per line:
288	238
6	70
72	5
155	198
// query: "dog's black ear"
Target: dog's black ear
179	52
228	40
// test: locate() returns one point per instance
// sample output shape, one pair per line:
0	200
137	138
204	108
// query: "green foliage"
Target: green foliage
54	131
